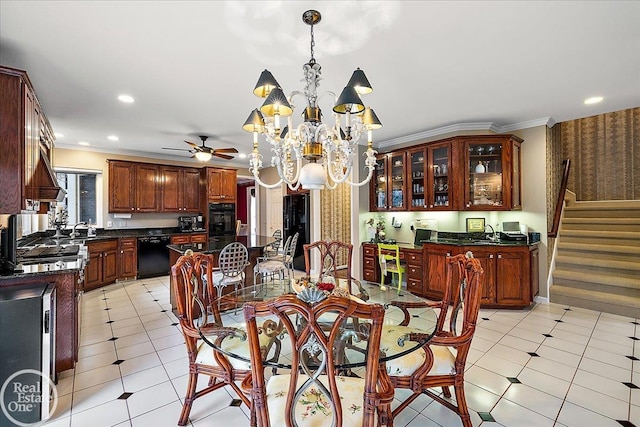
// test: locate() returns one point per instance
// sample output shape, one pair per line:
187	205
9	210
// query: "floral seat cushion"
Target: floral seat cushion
443	357
314	408
220	279
270	266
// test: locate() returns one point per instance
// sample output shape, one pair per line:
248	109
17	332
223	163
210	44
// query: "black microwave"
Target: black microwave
222	219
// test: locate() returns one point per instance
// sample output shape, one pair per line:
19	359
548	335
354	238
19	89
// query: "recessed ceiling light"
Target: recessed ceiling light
58	135
593	100
85	143
242	156
113	138
128	99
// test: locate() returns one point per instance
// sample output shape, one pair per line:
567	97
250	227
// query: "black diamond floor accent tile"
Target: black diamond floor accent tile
174	324
514	380
635	339
485	318
163	311
155	300
149	292
567	309
533	354
416	315
631	385
626	423
109	321
486	416
635	323
104	299
559	321
632	357
548	335
235	402
125	396
117	362
112	339
107	309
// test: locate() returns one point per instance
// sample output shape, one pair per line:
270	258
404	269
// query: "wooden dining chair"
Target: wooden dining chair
335	263
441	362
314	395
198	311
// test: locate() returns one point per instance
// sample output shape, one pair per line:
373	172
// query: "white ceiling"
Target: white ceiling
192	65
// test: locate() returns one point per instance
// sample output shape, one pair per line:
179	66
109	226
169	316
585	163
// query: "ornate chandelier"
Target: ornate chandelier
329	151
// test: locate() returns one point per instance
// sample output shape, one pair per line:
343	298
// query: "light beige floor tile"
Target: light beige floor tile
422	421
95	376
508	413
605	370
109	414
135	350
550	384
576	416
499	366
96	361
533	399
598	402
151	398
557	355
96	395
165	415
232	416
130	340
97	348
550	367
602	385
609	358
511	354
140	363
144	379
495	383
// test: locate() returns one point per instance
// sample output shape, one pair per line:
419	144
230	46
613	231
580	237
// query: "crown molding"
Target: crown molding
465	127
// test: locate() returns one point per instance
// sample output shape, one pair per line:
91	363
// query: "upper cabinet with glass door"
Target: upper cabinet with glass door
492	173
389	189
441	177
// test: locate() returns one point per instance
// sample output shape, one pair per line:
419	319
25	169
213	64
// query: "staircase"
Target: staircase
598	257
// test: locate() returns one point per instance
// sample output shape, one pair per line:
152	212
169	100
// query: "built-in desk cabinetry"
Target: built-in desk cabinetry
468	173
510	278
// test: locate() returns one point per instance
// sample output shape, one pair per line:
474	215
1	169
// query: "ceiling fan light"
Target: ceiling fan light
203	156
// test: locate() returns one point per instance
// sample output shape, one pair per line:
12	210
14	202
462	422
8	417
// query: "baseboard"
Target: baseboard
541	300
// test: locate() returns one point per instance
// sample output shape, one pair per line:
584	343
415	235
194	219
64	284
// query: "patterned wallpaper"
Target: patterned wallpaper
335	217
605	155
554	177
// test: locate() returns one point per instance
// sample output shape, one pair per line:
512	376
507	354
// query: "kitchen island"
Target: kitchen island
255	244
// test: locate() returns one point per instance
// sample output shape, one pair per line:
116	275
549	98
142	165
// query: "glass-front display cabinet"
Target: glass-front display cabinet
492	175
418	171
389	190
440	171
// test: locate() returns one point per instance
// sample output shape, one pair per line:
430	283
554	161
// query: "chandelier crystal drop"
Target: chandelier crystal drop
313	154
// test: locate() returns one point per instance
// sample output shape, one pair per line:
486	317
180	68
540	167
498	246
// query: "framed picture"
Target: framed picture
475	225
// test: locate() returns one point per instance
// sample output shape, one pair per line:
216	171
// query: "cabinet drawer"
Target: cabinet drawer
369	264
103	246
369	275
128	243
414	272
369	251
413	258
199	238
414	286
180	240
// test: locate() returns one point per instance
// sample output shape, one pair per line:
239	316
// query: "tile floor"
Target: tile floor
548	366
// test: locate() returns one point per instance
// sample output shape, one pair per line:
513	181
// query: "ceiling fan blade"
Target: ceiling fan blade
222	156
192	144
226	150
176	149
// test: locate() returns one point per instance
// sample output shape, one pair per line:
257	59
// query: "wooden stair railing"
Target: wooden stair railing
560	202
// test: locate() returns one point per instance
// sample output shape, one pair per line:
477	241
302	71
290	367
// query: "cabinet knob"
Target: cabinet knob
499	256
121	252
133	209
491	256
448	253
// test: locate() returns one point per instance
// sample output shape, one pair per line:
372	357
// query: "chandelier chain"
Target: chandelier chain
313	43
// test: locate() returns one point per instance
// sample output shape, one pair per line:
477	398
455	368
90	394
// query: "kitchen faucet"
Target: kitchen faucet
493	236
75	233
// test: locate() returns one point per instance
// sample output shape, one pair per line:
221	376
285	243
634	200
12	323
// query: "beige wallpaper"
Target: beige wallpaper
335	219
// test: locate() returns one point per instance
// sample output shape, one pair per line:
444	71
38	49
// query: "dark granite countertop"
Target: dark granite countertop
464	242
216	244
45	268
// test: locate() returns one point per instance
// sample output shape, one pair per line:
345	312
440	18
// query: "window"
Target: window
81	200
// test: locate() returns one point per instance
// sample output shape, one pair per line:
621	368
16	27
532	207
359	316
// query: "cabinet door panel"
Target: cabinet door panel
171	189
93	271
191	190
146	188
436	264
121	187
487	260
109	267
510	269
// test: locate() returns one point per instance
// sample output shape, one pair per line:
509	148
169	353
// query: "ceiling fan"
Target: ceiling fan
204	152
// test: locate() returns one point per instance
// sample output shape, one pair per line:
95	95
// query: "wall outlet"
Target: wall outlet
109	224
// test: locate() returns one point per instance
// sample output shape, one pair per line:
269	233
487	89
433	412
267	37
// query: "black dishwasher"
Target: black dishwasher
153	256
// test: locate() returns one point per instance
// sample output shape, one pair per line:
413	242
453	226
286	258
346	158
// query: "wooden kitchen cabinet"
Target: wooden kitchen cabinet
492	178
26	142
414	270
221	185
180	189
188	238
370	270
102	265
388	191
435	264
127	258
133	187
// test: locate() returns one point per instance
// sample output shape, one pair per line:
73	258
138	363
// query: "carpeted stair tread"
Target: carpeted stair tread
599	301
592	247
590	277
601	263
599	234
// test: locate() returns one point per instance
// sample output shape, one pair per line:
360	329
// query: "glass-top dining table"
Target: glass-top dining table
396	341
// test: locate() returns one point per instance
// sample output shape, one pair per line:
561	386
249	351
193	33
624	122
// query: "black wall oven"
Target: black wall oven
222	219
